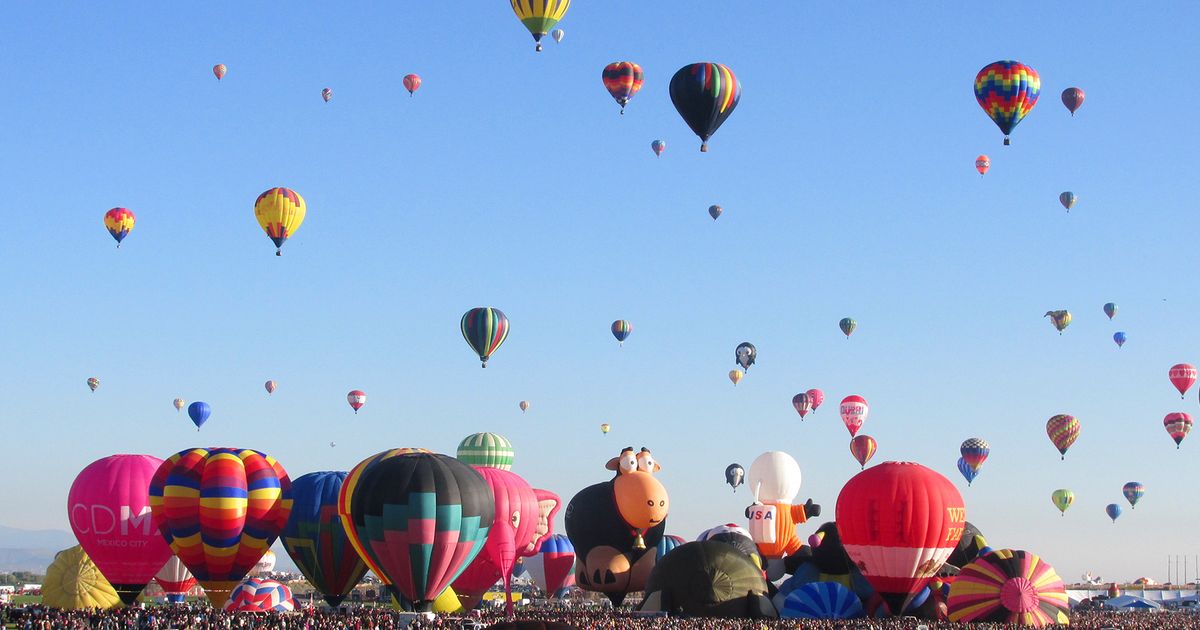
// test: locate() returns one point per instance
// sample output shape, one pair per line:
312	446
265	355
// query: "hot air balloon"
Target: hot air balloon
74	583
1178	425
847	325
1063	431
658	146
488	450
715	211
485	329
524	405
1062	499
817	397
265	564
975	451
862	447
708	579
1007	92
539	16
734	475
93	383
412	83
176	581
1072	97
1133	492
557	34
622	79
327	94
1120	338
1110	309
854	413
179	404
219	71
775	480
705	94
392	503
821	600
280	211
621	329
899	550
967	472
552	566
315	537
802	403
1113	511
736	376
666	545
220	509
357	398
1060	319
110	516
119	222
1068	199
745	354
199	413
982	164
260	596
270	387
1183	376
1009	587
604	428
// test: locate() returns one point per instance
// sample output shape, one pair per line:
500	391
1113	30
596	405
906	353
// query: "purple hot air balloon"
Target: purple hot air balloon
1072	97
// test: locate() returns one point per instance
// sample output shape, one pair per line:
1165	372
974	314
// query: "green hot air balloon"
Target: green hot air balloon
847	325
486	449
484	328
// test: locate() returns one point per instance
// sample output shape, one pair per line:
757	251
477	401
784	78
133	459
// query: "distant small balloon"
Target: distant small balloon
270	387
658	146
1110	309
605	427
802	403
1062	499
557	34
847	325
1183	376
357	398
1133	492
93	383
412	83
327	94
982	164
332	444
862	447
736	376
1119	338
715	211
1113	511
1072	97
817	397
199	413
179	404
1068	199
524	405
735	475
219	71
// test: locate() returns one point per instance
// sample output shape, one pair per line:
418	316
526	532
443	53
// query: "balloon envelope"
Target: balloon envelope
540	16
1120	338
1178	425
982	164
1183	376
622	79
119	222
73	582
1062	499
315	537
1072	98
1133	492
412	83
490	450
1063	430
260	596
862	447
1113	511
199	413
715	211
821	600
484	329
280	212
174	578
854	411
621	329
1008	586
1007	91
705	94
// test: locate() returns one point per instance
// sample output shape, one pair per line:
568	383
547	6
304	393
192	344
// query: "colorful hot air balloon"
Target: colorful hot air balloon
418	519
605	427
621	330
847	325
735	475
1178	425
220	509
1110	309
982	164
1063	430
486	450
119	222
735	376
316	539
1133	492
552	567
854	411
817	397
1068	199
622	79
745	354
557	34
1113	511
270	387
802	403
658	146
327	94
1062	499
524	405
975	451
1060	319
260	596
1120	338
219	71
967	472
175	580
199	412
862	447
1072	97
705	94
412	83
280	211
1183	376
1007	92
539	16
899	550
357	398
93	383
715	211
1009	587
179	404
110	515
484	328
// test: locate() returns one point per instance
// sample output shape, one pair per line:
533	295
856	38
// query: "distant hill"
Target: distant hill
31	550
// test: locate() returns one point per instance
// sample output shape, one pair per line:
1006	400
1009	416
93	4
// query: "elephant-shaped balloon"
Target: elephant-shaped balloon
774	478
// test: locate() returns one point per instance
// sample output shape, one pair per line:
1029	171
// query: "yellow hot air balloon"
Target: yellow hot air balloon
180	404
604	428
73	582
280	211
539	16
736	376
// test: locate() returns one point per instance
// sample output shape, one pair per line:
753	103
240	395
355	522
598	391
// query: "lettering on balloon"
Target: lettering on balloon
100	520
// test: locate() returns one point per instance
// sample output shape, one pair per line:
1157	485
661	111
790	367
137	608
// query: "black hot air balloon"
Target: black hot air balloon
705	94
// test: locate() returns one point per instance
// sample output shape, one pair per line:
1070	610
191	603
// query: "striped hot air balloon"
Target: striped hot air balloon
967	471
119	222
489	450
862	447
623	79
1063	430
1062	499
280	211
316	540
260	596
621	329
1178	424
1007	92
484	328
539	16
821	600
1133	491
975	451
705	94
1008	586
175	580
802	403
552	567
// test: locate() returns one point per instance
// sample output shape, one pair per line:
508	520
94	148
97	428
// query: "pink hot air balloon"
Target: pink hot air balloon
519	528
412	83
219	71
109	510
817	397
357	398
854	413
1183	376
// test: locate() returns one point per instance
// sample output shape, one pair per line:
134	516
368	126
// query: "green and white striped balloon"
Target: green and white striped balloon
486	449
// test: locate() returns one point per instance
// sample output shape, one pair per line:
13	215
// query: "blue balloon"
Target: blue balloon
199	413
967	472
1113	510
316	539
1119	338
821	600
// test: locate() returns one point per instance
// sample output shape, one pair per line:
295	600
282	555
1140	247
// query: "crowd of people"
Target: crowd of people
363	618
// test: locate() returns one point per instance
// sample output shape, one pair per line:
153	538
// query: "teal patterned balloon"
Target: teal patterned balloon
489	450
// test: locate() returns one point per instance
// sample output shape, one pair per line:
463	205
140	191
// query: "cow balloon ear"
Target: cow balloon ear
613	463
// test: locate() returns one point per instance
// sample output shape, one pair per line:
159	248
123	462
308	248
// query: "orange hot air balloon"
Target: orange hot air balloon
982	164
219	71
862	447
736	376
412	83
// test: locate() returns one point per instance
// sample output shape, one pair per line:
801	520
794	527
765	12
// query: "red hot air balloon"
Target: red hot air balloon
1073	98
817	397
899	522
1178	425
412	83
622	79
1183	376
219	71
982	164
803	404
357	398
109	510
854	413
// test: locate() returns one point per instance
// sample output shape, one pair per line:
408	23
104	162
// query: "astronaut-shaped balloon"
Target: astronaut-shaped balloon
774	478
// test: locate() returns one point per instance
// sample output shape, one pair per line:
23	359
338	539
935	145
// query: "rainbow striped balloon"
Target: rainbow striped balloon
1063	431
1008	586
623	79
484	328
705	94
1007	91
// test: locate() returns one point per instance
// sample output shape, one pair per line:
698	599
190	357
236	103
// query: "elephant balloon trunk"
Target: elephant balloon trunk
508	555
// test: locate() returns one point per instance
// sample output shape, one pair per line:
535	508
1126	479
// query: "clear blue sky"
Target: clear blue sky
510	180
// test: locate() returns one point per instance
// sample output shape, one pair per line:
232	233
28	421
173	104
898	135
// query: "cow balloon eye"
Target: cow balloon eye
661	503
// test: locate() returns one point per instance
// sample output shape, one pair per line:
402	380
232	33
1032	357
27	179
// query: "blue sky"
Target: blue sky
847	179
